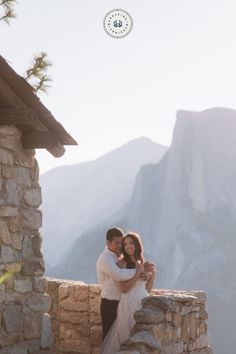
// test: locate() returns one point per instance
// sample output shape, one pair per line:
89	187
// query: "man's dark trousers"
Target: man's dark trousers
108	313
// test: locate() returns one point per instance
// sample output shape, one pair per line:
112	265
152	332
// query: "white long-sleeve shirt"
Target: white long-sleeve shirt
109	274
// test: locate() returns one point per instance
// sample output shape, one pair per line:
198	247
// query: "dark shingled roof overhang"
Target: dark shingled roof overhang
20	106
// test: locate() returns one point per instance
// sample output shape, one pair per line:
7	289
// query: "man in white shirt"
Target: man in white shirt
109	274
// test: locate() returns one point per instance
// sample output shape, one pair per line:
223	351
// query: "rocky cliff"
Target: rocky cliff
184	208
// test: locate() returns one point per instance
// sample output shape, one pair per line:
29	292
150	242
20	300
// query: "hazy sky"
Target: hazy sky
180	54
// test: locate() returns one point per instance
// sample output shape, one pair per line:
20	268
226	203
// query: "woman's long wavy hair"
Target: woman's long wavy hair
138	253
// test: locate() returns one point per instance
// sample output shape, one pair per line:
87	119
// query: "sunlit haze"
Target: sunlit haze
106	91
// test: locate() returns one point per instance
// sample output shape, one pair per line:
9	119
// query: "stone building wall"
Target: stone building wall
24	323
170	322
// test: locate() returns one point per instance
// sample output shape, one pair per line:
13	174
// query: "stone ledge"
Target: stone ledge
170	321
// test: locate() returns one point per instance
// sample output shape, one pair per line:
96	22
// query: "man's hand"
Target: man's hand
139	269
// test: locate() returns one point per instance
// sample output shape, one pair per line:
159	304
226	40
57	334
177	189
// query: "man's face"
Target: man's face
115	245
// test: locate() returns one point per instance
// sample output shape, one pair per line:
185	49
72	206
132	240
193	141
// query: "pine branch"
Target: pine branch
8	6
36	75
8	15
42	84
7	3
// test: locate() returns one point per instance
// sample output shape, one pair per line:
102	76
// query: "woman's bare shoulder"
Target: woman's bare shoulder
122	263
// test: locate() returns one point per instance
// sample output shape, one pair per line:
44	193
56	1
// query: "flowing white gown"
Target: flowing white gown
121	328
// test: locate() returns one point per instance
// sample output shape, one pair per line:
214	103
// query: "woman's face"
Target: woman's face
129	246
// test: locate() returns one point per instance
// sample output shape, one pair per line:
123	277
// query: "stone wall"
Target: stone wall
24	323
170	322
75	314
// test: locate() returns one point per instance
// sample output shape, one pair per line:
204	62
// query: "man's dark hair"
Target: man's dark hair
114	232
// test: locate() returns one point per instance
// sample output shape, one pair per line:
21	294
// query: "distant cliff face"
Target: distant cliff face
185	209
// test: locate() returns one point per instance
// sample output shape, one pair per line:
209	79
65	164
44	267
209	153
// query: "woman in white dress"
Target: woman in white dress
133	291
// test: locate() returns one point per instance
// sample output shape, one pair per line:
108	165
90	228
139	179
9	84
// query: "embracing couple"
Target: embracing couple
125	280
